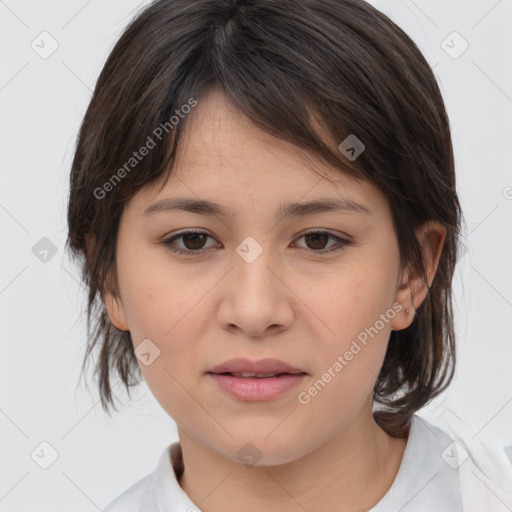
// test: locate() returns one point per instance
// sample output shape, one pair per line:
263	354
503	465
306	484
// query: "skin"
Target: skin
290	303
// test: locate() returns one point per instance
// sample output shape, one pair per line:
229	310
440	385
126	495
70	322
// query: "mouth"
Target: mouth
264	368
251	375
256	381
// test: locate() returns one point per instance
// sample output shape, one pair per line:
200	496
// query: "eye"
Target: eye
318	238
193	242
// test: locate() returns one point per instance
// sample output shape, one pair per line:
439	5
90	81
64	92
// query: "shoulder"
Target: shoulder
448	469
159	491
137	498
490	457
142	496
482	467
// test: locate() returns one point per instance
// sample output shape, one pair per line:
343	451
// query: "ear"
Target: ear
412	289
110	296
115	310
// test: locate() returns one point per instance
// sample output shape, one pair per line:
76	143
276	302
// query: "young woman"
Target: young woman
264	206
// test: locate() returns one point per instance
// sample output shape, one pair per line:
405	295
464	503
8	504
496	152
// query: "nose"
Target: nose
257	300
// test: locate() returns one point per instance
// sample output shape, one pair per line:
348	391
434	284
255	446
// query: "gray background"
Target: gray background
42	101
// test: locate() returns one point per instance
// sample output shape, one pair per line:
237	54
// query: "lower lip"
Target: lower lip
253	389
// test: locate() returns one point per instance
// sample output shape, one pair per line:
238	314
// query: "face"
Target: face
257	284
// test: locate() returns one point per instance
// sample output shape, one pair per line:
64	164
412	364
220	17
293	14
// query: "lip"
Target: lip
256	388
262	366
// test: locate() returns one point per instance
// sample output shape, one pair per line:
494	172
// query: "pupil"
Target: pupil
315	237
193	235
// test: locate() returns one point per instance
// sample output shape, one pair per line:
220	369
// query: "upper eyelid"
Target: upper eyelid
171	238
202	231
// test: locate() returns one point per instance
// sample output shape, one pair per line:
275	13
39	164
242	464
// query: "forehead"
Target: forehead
217	135
223	155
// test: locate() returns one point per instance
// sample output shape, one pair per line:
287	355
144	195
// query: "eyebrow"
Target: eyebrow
207	207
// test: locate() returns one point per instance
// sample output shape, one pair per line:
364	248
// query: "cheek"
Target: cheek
347	369
353	298
165	307
157	295
357	309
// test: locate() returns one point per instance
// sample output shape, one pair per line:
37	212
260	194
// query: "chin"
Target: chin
258	449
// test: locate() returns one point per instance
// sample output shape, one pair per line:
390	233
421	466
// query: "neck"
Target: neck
351	471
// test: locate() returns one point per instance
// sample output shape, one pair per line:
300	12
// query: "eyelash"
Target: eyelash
169	241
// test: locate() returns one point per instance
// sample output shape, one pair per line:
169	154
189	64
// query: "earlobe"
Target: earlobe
412	289
113	303
404	297
115	310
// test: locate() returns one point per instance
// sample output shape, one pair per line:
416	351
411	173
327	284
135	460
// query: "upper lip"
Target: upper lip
262	366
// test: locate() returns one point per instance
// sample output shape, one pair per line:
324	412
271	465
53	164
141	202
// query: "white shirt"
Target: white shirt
440	470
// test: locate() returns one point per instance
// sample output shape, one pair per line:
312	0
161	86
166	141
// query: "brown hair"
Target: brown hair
285	64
